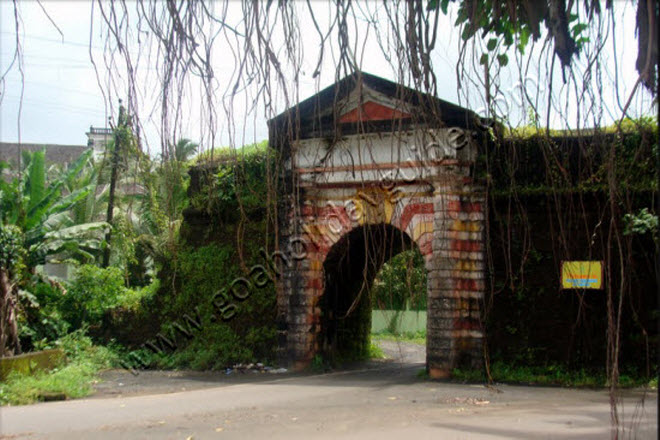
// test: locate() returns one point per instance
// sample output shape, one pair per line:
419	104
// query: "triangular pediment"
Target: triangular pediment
364	104
362	97
372	111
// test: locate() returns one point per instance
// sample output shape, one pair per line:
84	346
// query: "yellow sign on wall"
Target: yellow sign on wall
582	275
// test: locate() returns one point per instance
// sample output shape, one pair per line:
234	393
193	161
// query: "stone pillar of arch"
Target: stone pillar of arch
455	280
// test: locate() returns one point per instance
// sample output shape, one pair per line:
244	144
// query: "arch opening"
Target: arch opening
350	269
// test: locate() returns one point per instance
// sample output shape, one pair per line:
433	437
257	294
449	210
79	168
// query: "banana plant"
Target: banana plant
36	217
42	211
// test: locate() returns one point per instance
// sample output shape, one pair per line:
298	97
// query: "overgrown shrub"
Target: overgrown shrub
42	321
92	291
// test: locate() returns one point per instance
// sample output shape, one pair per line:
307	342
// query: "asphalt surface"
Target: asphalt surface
380	400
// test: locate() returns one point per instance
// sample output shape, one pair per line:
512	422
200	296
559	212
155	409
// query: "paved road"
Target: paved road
386	400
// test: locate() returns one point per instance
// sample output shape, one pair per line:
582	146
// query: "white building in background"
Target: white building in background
98	138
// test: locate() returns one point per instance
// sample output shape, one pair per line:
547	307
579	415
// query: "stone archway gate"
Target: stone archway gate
369	151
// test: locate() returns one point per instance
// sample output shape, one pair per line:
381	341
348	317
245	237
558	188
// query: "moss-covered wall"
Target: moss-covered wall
31	362
553	200
225	227
549	200
532	320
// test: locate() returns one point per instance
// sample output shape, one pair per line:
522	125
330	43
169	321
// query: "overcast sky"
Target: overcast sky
62	98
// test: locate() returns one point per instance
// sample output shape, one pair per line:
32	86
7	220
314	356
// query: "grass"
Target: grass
418	338
552	375
318	364
375	352
549	375
71	380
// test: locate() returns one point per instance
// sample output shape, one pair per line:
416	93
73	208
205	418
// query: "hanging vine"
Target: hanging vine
274	49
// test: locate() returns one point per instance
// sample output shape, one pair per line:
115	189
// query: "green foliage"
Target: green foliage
92	291
550	374
37	211
73	379
200	277
644	125
418	338
148	201
232	190
529	162
215	347
240	186
641	223
401	283
50	309
11	249
41	322
167	185
375	352
218	347
147	222
79	347
513	23
229	154
133	298
183	150
249	336
92	207
318	364
41	210
123	137
124	242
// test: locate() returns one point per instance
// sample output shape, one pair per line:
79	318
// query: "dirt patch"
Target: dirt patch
402	351
120	383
